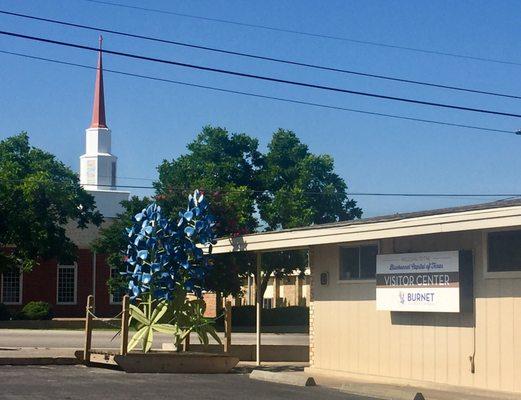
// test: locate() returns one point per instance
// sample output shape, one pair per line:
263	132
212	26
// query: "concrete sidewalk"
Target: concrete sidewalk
391	391
406	392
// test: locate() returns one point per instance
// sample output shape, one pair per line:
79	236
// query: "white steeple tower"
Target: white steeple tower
98	165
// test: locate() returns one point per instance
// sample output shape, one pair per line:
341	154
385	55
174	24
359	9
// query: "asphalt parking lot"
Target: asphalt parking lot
79	382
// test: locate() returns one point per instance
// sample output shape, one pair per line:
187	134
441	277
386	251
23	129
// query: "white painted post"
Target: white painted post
88	329
248	292
259	308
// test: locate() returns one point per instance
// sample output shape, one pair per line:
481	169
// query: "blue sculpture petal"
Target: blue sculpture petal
171	249
146	278
188	215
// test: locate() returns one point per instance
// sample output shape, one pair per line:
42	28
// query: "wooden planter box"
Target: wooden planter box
166	362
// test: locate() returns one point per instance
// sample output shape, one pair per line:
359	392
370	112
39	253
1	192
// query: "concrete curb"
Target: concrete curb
38	361
36	356
288	378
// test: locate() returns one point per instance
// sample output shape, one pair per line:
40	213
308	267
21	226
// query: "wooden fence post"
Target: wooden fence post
186	343
88	329
124	325
228	326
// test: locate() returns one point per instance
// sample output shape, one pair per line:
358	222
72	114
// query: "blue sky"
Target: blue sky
153	121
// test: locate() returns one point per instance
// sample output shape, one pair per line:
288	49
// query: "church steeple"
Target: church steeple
98	108
98	166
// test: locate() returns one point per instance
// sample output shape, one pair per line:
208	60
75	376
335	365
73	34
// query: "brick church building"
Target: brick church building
66	287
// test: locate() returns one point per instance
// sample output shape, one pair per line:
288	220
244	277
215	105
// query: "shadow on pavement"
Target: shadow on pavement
246	369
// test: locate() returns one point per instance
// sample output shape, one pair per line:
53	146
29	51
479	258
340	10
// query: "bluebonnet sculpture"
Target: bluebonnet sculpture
165	260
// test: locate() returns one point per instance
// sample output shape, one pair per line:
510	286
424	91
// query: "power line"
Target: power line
311	193
310	34
264	58
250	94
264	78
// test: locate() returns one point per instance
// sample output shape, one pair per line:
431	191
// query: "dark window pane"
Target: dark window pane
66	284
368	261
113	175
11	286
504	251
117	295
349	263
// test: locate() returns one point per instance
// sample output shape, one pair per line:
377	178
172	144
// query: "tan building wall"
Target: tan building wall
349	336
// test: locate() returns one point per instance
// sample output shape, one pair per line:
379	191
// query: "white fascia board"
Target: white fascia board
441	223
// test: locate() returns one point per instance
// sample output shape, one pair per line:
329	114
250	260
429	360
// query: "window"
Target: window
117	296
66	286
11	287
504	251
358	262
267	303
113	174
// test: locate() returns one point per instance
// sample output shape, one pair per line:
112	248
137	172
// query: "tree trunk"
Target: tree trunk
265	278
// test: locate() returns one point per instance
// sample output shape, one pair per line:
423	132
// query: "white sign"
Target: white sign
425	282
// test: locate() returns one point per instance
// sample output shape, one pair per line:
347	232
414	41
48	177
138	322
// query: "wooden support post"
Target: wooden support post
124	325
88	328
228	327
276	291
298	290
186	343
258	308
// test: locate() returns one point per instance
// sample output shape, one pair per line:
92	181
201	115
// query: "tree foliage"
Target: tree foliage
39	196
287	187
300	188
113	239
224	166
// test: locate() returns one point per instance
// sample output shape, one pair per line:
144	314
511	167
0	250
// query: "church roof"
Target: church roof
98	108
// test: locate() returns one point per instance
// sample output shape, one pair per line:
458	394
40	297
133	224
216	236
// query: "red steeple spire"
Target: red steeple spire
98	109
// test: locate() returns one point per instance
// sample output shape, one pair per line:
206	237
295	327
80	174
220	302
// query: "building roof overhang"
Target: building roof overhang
501	214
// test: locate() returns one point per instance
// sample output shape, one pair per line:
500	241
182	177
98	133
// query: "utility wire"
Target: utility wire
264	78
250	94
264	58
311	193
309	34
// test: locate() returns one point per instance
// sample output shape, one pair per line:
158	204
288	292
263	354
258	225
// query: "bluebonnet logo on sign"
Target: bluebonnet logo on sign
418	282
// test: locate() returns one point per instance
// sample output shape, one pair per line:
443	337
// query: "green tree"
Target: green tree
113	239
39	196
288	187
300	188
224	167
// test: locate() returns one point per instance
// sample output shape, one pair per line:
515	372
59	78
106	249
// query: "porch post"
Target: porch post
259	308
